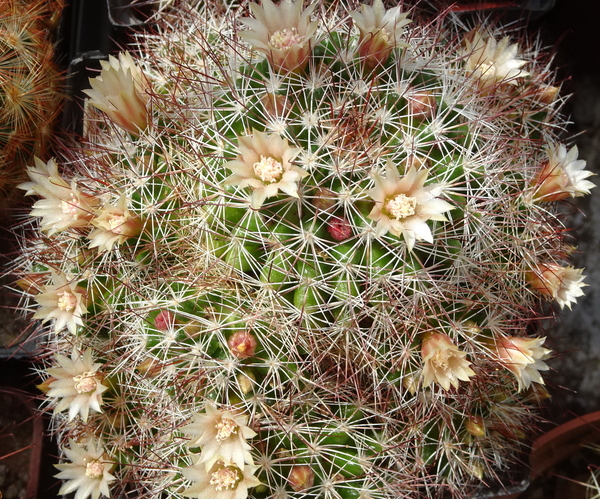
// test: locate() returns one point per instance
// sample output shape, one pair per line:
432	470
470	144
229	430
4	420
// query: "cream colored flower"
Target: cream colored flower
88	472
403	205
443	362
63	206
562	176
77	383
562	284
264	163
121	92
284	33
524	358
63	301
491	62
380	31
114	225
222	436
220	481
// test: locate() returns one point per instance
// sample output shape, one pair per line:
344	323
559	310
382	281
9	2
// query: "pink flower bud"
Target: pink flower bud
242	344
421	104
164	321
339	229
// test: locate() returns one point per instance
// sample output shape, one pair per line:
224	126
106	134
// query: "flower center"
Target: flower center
268	169
86	382
225	428
386	36
284	38
401	206
67	301
488	69
115	223
226	478
70	207
441	361
94	469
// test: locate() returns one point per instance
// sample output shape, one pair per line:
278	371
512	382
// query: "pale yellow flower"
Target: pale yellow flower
491	62
77	384
284	33
443	362
220	481
380	31
64	301
88	473
121	92
562	284
264	163
524	357
222	436
63	206
403	205
562	176
114	225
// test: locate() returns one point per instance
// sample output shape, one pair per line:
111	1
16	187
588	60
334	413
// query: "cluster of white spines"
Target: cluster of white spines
337	241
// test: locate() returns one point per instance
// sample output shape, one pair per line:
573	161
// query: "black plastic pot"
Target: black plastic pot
88	33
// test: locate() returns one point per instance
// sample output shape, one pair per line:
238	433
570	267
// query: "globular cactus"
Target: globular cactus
303	254
30	90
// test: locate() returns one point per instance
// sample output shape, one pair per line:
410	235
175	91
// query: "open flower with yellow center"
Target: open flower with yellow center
222	436
403	205
220	481
114	225
64	301
380	31
491	62
88	473
562	284
562	176
284	33
63	206
524	357
77	384
121	92
443	362
264	163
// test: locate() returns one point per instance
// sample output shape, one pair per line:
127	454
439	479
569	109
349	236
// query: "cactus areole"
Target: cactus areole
313	270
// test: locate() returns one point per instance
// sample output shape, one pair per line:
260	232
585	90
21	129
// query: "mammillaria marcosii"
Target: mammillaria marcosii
315	269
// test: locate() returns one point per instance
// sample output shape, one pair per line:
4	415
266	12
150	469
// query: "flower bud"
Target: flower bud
475	426
242	344
421	104
301	477
547	94
339	228
164	321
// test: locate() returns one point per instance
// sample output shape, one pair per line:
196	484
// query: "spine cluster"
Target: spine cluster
30	93
302	253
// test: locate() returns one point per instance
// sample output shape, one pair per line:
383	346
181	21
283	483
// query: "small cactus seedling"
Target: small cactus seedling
302	254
